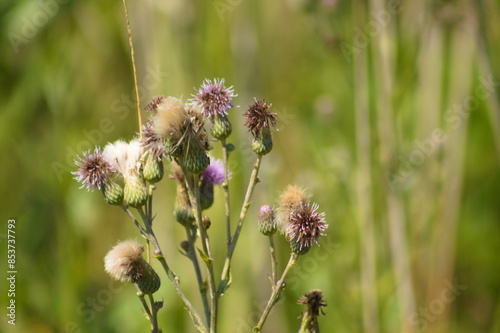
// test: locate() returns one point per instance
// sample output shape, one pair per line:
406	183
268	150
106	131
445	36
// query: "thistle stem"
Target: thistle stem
191	237
154	316
194	197
149	234
277	289
225	186
227	264
274	261
146	308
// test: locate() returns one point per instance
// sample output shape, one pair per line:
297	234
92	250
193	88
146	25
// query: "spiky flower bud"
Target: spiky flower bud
267	222
314	301
263	143
153	169
305	226
135	192
125	263
221	127
214	98
183	211
113	193
194	157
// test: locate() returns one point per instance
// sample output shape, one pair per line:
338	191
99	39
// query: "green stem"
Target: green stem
146	307
154	312
191	236
227	264
194	197
274	261
277	289
225	186
149	234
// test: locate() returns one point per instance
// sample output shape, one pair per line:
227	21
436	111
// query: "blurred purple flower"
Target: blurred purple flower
214	173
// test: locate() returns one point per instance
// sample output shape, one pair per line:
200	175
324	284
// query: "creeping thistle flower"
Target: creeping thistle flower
314	301
93	170
212	175
305	226
258	119
125	158
267	221
214	98
125	263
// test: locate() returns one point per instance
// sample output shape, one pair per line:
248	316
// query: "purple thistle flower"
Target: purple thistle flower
214	173
93	170
306	225
214	98
152	141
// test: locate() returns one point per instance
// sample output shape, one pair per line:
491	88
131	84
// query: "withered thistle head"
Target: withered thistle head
93	170
152	141
214	98
258	117
153	103
124	261
198	122
171	118
314	301
305	226
290	200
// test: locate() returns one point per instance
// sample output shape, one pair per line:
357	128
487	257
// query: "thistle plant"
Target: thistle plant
175	137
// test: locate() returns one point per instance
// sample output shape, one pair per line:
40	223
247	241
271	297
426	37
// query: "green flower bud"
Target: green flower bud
263	143
135	191
194	158
147	281
113	193
153	169
267	222
221	127
182	210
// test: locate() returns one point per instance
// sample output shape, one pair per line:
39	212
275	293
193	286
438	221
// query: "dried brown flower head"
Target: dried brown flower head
258	117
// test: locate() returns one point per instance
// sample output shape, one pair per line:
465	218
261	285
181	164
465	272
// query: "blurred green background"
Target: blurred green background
389	114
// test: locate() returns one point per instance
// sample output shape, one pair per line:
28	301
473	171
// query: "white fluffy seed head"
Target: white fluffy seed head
171	118
124	260
123	156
